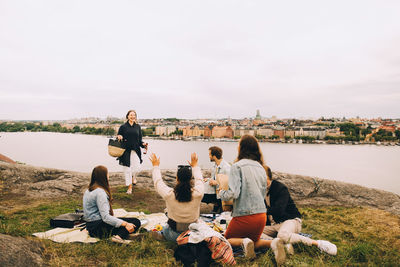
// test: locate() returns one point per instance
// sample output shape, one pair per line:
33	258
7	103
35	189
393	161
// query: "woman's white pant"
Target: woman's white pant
130	172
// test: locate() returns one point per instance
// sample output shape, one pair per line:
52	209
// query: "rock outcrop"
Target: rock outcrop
18	251
27	181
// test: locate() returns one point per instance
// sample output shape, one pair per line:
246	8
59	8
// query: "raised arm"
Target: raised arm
159	184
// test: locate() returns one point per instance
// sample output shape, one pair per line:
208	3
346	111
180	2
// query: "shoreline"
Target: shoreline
201	139
299	142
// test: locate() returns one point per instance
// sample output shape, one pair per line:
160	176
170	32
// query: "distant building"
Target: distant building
165	130
258	115
335	132
208	131
222	132
266	132
193	131
242	131
280	131
318	133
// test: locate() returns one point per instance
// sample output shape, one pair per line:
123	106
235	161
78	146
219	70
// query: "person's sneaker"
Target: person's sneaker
327	247
248	248
279	251
289	248
129	192
118	239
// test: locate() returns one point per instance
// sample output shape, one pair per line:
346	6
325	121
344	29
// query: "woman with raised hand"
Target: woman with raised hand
98	212
130	134
183	200
247	187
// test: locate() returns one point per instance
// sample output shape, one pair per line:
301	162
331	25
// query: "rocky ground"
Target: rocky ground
18	182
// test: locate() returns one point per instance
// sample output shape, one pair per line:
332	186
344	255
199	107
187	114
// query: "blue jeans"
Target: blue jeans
170	234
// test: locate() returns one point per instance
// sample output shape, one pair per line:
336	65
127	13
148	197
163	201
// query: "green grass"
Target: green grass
364	237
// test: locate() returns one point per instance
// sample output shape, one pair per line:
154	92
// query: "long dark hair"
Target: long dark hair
249	149
99	180
183	188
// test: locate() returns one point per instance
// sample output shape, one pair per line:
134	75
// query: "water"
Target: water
367	165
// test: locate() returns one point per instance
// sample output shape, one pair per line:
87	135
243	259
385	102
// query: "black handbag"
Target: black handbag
67	220
115	148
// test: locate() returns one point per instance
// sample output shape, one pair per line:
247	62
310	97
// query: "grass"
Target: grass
364	236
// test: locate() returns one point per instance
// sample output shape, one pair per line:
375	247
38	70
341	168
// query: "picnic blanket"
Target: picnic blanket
78	234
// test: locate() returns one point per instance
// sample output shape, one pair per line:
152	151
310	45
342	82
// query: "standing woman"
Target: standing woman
247	187
131	134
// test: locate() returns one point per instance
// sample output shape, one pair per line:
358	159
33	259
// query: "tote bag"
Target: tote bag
115	148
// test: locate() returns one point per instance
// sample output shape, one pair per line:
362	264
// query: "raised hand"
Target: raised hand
154	160
194	160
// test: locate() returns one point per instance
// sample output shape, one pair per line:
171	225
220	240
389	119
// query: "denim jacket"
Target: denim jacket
247	187
97	207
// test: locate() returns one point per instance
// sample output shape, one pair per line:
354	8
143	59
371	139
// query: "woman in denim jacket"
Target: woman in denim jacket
247	187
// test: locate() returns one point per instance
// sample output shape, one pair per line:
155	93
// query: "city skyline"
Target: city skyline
66	60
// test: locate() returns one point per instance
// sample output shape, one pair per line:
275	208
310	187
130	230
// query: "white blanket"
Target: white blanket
68	235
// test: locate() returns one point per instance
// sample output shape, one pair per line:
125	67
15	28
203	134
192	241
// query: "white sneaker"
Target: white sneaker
279	251
248	248
327	247
129	191
289	248
118	239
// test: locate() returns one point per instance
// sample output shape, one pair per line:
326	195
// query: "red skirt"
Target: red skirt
250	226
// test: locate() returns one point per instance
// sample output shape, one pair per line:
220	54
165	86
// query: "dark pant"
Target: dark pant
103	230
212	198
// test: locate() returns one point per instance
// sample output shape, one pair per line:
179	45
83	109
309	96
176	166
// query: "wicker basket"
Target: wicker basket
222	180
115	148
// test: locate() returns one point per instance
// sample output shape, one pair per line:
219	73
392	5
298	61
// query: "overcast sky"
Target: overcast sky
199	59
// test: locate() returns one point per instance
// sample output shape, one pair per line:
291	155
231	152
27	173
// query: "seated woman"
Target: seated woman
182	201
284	219
98	212
247	187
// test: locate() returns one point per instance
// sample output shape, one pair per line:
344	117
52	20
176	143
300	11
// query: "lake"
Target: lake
368	165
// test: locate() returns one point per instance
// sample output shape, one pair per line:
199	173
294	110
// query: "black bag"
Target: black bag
115	148
67	220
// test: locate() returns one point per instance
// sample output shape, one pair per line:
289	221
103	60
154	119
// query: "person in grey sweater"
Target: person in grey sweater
98	212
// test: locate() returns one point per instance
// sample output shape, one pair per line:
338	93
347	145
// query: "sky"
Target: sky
199	59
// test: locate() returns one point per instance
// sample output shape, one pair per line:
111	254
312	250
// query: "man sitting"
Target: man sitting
210	184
